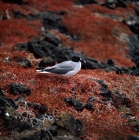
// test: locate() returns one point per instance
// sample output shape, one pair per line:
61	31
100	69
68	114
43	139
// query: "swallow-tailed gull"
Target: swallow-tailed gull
67	68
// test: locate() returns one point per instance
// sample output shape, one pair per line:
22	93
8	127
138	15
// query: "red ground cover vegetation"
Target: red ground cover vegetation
98	34
51	90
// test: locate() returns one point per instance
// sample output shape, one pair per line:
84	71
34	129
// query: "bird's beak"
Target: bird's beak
82	60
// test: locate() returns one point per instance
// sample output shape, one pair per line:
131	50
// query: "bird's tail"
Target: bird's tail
41	70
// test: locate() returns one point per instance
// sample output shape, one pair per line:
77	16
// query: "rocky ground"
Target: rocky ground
101	102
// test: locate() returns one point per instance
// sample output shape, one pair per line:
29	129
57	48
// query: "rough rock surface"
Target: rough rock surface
17	88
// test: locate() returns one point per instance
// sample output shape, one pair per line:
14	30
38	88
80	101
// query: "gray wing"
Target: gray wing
62	68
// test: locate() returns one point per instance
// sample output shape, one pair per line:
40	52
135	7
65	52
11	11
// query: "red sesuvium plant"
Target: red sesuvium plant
50	90
20	30
98	36
96	33
51	5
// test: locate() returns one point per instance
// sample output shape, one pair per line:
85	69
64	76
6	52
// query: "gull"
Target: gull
66	68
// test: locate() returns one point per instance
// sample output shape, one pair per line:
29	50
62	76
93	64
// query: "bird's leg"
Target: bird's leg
71	84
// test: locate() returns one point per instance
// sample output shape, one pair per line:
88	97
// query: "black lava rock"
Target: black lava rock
21	47
17	88
135	28
68	123
104	86
132	137
51	38
84	2
79	127
42	109
6	102
121	3
91	64
25	126
120	99
12	118
133	44
136	128
14	1
52	21
127	102
52	129
135	72
131	20
42	49
33	134
47	61
106	93
7	60
36	106
1	92
89	106
24	62
75	103
137	11
38	48
66	138
91	99
18	14
110	62
21	99
121	70
112	4
49	19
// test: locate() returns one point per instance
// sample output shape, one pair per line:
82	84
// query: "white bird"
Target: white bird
67	68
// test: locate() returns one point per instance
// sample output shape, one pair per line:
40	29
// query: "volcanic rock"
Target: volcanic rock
112	4
66	138
137	11
1	92
21	47
83	2
42	109
133	43
106	93
52	21
132	137
11	117
42	49
110	62
14	1
120	99
89	106
69	124
17	88
91	63
34	134
47	61
135	28
6	102
75	103
24	62
131	20
104	86
18	14
51	38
